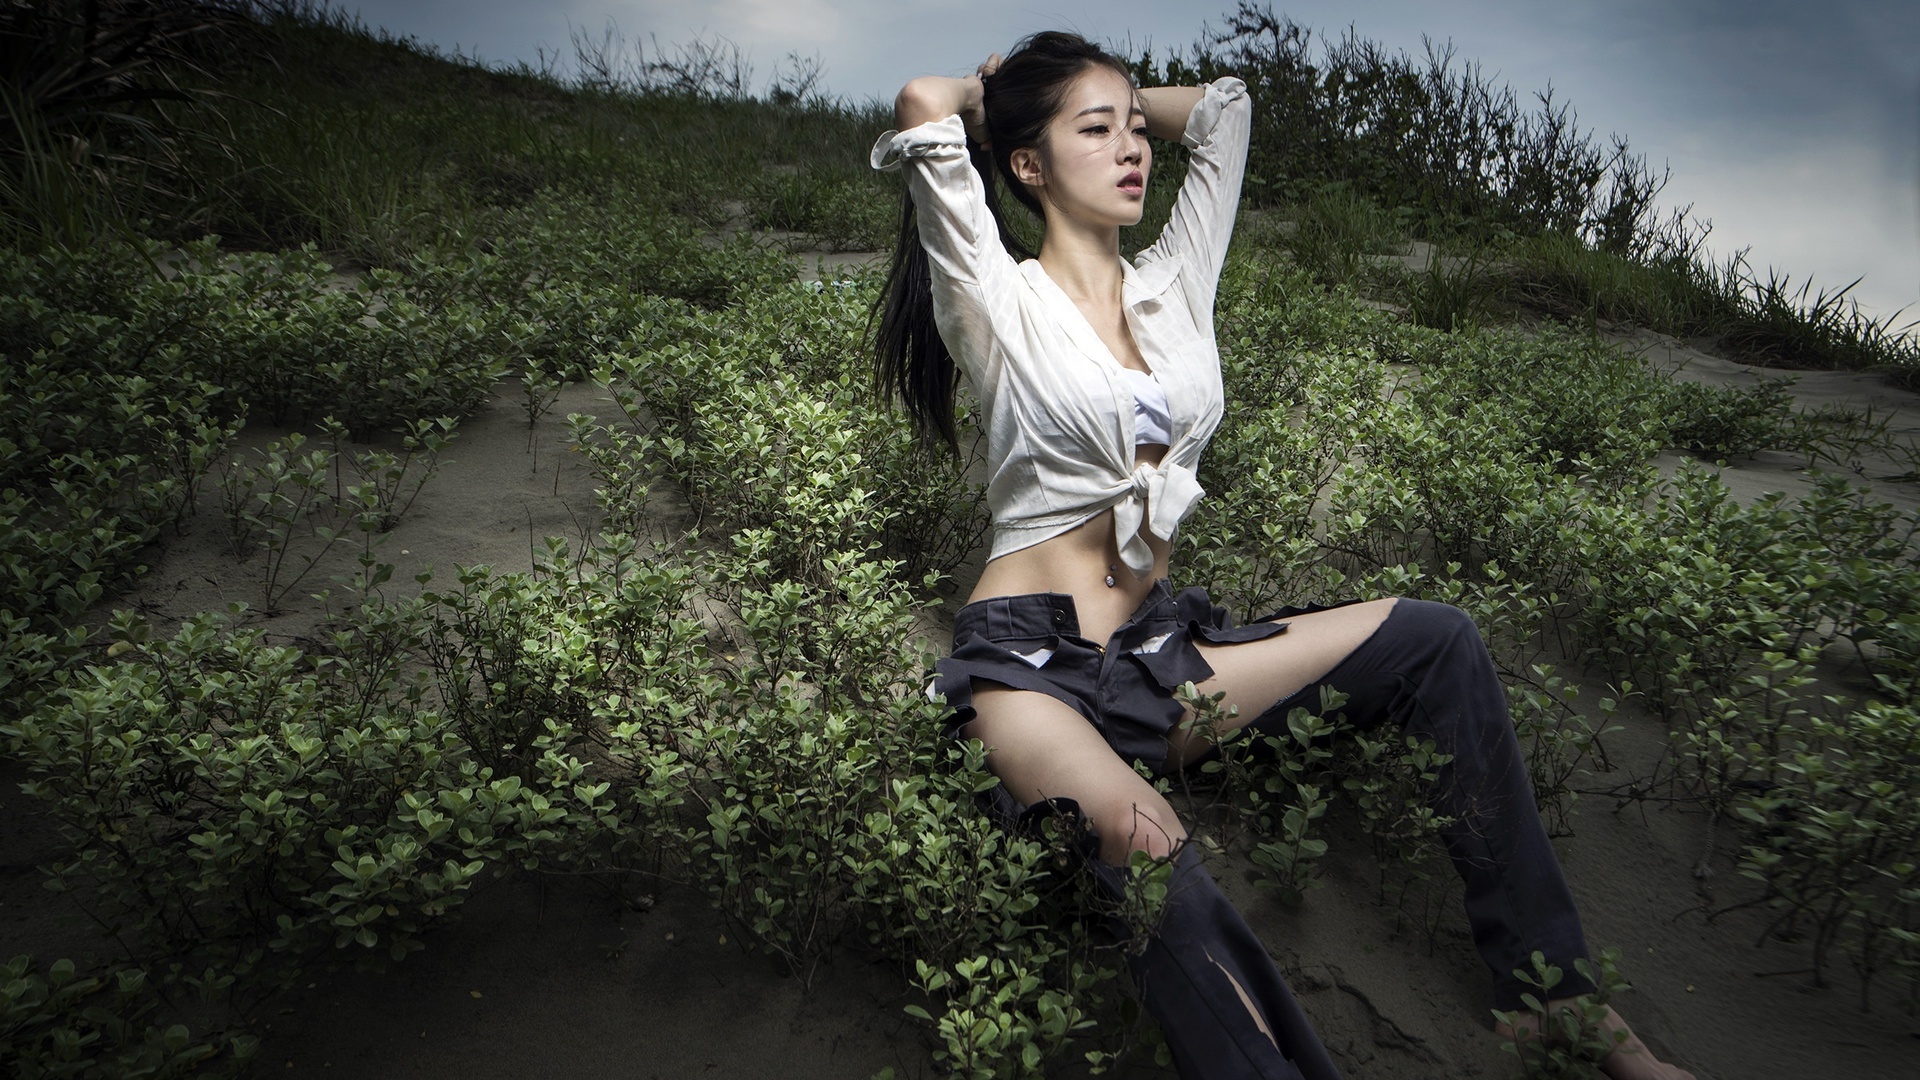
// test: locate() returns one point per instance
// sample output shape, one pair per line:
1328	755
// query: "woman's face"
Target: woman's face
1095	164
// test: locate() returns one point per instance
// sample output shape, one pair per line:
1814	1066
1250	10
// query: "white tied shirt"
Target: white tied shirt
1059	409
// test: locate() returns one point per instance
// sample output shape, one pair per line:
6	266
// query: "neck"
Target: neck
1085	263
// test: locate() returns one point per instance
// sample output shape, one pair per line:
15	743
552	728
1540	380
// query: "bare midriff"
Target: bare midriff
1079	562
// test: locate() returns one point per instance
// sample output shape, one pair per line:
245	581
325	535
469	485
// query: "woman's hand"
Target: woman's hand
974	113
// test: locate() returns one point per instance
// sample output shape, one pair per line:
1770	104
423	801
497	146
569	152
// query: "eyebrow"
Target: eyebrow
1106	109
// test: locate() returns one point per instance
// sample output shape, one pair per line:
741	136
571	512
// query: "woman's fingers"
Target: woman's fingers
974	115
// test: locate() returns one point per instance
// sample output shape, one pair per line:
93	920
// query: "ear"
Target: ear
1026	166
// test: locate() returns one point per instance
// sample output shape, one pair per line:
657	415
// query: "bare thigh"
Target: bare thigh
1042	749
1255	674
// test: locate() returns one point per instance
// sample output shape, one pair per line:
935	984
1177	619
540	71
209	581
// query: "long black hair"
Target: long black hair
1021	98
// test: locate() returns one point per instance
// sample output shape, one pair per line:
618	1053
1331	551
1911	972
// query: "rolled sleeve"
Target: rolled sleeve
1205	118
956	227
935	138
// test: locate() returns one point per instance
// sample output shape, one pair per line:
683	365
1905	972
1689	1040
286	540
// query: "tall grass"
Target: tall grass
336	162
1768	321
91	97
1826	329
307	126
1339	235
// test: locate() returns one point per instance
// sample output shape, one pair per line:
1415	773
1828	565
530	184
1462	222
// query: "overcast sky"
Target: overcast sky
1794	126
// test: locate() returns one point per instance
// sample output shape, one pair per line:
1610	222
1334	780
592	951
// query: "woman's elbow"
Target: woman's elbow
922	99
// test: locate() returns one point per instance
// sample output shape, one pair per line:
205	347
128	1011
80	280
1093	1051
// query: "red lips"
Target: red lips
1132	182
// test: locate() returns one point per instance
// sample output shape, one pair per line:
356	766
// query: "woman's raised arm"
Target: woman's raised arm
936	97
1217	118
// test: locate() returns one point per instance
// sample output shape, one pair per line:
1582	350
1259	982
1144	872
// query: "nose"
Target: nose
1131	145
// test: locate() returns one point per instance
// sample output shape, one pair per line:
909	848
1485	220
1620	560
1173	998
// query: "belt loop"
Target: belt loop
999	619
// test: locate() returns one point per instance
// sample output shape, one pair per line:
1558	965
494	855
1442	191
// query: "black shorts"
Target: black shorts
1123	687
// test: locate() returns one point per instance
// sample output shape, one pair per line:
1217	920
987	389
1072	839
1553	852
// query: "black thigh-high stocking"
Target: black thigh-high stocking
1200	958
1187	976
1426	670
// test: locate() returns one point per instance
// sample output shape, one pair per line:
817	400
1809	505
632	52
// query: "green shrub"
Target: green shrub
764	419
1002	1017
1727	422
109	435
267	332
56	1024
1838	839
1574	403
224	794
843	214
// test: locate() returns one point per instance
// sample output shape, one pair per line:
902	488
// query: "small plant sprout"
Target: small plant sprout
539	390
277	504
391	482
1570	1043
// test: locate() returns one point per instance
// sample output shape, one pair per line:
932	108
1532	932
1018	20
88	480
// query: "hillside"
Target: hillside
466	614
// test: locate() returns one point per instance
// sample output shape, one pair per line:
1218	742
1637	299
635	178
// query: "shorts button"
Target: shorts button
1059	616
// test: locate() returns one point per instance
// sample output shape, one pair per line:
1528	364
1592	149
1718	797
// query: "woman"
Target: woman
1099	385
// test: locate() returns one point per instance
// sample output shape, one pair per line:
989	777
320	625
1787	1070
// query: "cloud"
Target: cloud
784	21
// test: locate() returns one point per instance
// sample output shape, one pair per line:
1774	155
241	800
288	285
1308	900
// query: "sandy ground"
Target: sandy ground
556	977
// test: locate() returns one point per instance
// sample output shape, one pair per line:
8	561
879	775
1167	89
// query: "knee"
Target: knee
1149	826
1432	631
1447	665
1430	617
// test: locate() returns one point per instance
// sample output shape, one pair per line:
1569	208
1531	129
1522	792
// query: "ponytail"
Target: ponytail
910	360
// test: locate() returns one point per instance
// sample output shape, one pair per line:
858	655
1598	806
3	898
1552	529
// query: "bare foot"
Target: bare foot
1630	1058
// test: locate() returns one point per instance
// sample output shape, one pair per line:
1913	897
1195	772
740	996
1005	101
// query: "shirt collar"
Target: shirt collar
1066	313
1139	283
1136	285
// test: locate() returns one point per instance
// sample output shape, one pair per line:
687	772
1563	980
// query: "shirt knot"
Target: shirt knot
1160	496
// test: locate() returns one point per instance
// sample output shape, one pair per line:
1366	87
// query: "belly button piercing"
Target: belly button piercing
1112	570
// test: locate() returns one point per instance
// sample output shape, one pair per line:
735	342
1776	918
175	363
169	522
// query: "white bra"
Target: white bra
1152	424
